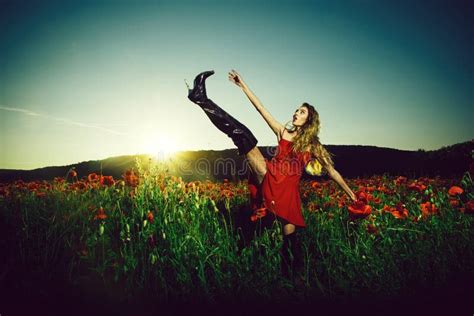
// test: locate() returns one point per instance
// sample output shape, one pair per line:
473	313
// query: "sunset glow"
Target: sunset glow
160	148
93	84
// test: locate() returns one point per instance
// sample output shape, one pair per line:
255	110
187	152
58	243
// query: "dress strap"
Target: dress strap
281	132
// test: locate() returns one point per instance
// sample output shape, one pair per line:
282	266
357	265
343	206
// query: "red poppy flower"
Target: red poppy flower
468	207
400	180
80	186
32	186
150	217
454	202
359	209
227	193
315	185
107	180
362	196
417	186
370	189
399	211
131	179
100	214
59	179
372	229
342	201
258	213
428	209
455	190
377	200
312	207
92	177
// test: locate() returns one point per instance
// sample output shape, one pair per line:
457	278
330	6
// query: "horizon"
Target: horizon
84	81
171	155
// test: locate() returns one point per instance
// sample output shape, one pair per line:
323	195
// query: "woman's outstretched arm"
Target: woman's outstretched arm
336	176
276	126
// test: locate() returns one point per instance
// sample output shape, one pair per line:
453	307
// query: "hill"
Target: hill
350	160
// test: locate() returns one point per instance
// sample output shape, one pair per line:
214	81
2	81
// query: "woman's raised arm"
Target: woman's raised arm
276	126
336	176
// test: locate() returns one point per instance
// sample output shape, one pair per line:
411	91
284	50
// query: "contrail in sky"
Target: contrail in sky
59	119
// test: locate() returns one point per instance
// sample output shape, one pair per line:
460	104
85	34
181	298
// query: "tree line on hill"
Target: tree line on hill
351	162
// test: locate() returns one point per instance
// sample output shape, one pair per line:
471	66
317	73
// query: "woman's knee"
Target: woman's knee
257	162
288	229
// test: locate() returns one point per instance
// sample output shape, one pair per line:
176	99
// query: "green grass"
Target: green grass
193	249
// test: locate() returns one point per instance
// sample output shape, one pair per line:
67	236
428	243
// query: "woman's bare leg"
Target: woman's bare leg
257	163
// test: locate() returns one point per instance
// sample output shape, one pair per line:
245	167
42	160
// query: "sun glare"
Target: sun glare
161	148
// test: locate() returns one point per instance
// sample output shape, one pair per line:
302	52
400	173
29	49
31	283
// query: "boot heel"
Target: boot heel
187	85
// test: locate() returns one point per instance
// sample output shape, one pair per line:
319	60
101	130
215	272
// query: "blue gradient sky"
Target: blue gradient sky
88	80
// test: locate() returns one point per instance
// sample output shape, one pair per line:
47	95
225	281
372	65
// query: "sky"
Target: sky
87	80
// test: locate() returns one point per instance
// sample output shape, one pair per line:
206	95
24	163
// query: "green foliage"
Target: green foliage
190	248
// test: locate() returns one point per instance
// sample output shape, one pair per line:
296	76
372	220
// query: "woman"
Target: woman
274	185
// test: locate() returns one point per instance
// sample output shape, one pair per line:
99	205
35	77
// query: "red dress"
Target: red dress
279	191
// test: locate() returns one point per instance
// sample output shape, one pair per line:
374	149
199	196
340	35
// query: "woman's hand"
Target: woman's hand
236	78
353	197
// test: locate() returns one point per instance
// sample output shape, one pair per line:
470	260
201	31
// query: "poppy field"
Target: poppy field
152	237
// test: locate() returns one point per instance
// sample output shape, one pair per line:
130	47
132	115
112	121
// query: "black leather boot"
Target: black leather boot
292	256
287	256
239	133
198	93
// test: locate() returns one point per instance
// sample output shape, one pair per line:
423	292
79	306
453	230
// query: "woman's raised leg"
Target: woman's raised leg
242	137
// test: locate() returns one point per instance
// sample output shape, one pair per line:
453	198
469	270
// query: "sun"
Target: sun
161	148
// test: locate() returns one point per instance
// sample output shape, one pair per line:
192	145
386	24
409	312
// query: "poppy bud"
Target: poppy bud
153	258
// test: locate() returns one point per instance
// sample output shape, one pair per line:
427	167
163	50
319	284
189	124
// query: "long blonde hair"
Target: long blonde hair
307	139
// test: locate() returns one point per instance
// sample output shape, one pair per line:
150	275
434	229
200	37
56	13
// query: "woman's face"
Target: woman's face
300	116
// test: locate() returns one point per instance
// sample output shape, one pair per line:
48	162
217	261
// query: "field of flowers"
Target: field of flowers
152	236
